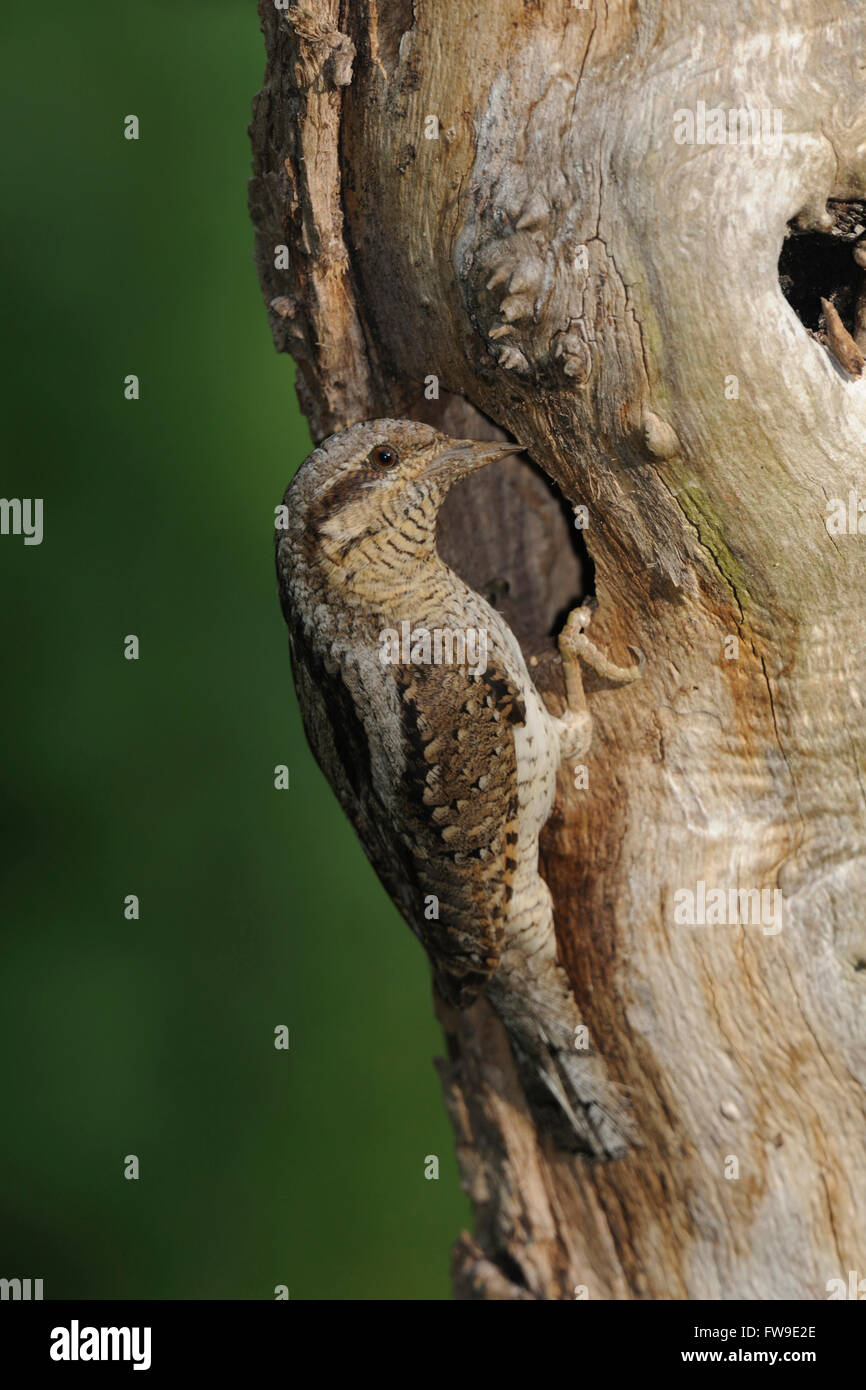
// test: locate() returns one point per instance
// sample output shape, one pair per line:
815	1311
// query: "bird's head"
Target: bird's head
360	488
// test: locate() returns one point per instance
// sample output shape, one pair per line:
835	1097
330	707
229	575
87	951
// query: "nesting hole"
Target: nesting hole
821	263
510	534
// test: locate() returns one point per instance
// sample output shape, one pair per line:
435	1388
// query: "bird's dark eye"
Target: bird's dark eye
383	456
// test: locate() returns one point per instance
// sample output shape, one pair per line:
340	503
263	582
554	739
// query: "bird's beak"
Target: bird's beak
466	455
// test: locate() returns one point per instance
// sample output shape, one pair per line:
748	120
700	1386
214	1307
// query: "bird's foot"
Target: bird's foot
575	646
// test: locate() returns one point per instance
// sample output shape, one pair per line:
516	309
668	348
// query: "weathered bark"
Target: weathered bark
739	765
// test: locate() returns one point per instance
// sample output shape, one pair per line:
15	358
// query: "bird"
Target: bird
445	767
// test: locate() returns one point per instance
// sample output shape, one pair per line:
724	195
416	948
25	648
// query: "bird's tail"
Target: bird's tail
565	1080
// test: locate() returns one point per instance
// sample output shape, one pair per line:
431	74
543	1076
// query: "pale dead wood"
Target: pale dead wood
461	257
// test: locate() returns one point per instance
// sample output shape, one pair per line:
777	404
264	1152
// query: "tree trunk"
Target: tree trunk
657	371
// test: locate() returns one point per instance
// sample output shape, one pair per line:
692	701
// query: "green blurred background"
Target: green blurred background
258	1167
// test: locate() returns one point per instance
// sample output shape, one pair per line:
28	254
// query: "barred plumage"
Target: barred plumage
446	772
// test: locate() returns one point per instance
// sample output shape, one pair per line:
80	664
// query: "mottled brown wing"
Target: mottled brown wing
450	831
458	811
